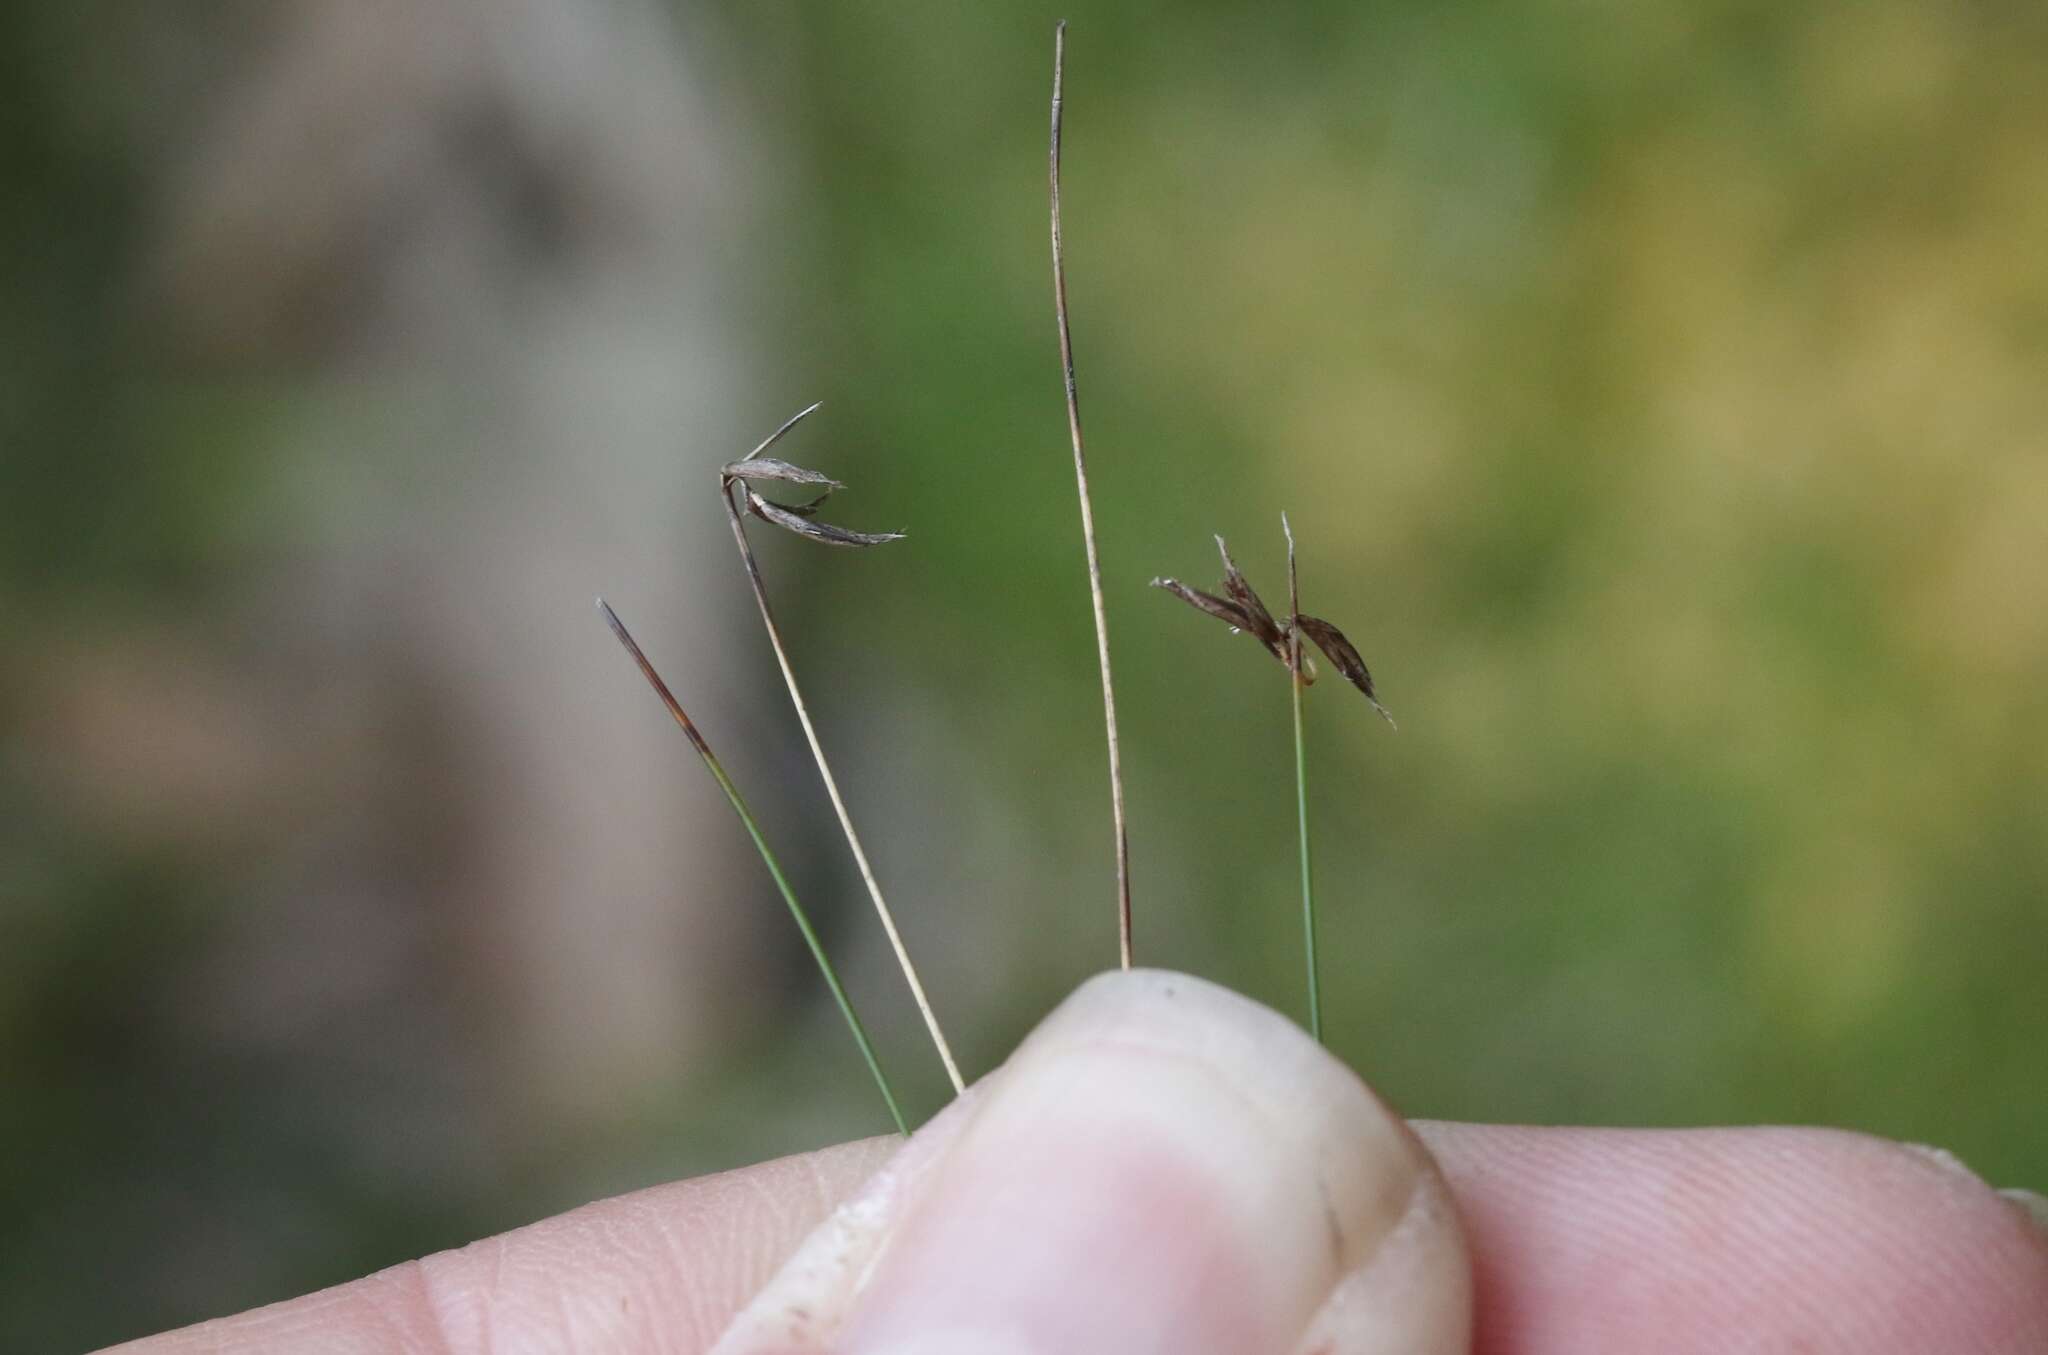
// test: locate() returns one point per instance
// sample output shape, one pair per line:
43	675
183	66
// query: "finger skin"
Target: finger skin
1163	1167
1725	1241
658	1270
1583	1242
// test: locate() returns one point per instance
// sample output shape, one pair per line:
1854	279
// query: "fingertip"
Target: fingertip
1164	1165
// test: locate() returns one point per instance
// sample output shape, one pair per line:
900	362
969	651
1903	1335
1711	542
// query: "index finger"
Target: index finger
662	1269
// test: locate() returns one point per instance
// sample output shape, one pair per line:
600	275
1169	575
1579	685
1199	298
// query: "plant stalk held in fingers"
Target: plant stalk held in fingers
735	489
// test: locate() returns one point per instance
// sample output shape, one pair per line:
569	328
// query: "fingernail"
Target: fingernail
2034	1206
1163	1166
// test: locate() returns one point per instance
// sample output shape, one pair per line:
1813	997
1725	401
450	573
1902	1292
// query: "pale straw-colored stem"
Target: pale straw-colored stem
803	715
1059	287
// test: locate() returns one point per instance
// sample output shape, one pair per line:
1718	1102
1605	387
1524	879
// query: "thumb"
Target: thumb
1162	1166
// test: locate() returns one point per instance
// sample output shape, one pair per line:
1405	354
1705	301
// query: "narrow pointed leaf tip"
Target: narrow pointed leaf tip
804	510
799	521
1345	656
1229	613
787	424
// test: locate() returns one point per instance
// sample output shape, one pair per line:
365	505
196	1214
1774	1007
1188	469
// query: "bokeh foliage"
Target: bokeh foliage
1657	394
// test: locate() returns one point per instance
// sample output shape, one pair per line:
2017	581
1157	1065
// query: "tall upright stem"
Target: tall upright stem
1059	286
803	715
739	806
1308	889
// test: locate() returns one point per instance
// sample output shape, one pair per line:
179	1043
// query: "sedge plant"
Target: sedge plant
1242	610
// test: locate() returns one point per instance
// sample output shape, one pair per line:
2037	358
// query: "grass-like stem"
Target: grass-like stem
1308	884
1059	287
803	715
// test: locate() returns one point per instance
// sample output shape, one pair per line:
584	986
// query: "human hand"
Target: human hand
1167	1166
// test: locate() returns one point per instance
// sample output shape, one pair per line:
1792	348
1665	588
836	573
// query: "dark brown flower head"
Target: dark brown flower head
1242	610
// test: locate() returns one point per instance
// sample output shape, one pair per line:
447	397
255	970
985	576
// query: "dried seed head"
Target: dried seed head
733	478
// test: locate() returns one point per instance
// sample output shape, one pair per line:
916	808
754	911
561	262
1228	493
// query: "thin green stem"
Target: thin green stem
1308	887
1308	890
739	806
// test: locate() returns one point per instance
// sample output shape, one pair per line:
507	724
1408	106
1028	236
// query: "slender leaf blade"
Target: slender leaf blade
1344	656
1229	613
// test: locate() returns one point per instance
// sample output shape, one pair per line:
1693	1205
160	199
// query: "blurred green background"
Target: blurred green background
1657	393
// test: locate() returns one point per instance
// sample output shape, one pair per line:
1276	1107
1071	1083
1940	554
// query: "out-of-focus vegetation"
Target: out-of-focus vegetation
1658	395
